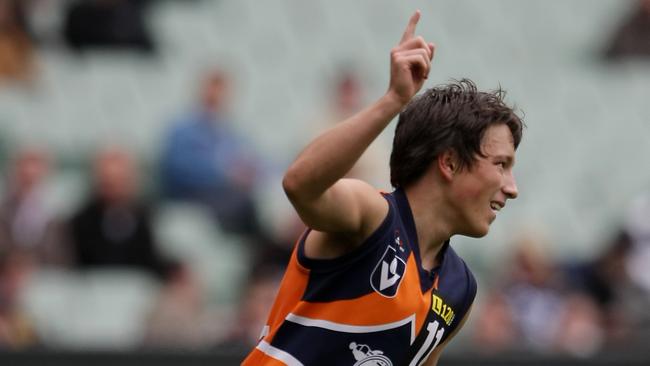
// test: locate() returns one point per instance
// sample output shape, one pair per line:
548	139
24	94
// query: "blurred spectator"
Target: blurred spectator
113	228
16	53
632	38
637	226
605	281
267	268
347	98
180	318
536	310
581	322
107	24
530	293
494	331
204	160
257	299
347	95
16	329
27	221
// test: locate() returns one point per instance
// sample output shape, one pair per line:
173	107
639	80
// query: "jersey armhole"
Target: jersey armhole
472	288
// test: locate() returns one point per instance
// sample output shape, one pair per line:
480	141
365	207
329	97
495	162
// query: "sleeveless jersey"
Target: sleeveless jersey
373	306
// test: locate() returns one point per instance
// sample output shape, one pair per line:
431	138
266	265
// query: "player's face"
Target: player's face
482	191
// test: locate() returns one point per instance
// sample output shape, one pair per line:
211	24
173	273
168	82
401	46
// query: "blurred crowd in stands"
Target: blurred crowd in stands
557	306
536	303
113	227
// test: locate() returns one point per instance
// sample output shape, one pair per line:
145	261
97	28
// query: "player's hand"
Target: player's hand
410	62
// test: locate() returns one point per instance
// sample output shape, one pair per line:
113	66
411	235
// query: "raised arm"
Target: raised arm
313	183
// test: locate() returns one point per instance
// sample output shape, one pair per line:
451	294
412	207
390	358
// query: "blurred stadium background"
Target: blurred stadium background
562	275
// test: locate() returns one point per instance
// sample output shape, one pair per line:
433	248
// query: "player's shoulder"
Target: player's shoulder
361	187
457	282
369	199
457	270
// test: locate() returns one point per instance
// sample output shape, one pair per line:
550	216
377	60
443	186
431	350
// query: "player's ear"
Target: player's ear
447	163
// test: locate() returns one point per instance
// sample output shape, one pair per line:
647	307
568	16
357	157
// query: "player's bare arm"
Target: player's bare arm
347	208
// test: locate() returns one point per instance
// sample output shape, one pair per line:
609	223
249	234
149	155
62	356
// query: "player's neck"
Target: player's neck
432	222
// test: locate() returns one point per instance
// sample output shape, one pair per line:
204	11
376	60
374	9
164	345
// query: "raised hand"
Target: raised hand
410	62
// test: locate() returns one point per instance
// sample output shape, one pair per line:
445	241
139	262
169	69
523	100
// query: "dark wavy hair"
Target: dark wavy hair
447	117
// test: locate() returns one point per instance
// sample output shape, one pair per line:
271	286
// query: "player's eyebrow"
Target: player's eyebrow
509	159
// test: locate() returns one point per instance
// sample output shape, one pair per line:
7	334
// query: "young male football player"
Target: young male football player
374	280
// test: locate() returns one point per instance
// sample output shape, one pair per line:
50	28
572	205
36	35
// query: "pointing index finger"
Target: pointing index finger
410	28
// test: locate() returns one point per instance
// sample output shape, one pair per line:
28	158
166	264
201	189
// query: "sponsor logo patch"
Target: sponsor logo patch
368	357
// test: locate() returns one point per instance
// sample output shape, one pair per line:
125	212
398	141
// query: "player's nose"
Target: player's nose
510	186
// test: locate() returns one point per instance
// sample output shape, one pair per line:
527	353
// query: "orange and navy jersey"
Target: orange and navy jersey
373	306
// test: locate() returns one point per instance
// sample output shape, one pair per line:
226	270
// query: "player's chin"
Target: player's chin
478	231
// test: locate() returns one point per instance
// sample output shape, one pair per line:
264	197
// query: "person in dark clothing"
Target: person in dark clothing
17	61
605	280
205	160
113	228
632	38
107	24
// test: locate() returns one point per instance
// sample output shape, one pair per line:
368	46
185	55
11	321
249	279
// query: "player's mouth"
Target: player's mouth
496	206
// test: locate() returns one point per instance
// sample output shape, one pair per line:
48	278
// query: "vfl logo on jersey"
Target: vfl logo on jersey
367	357
388	273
